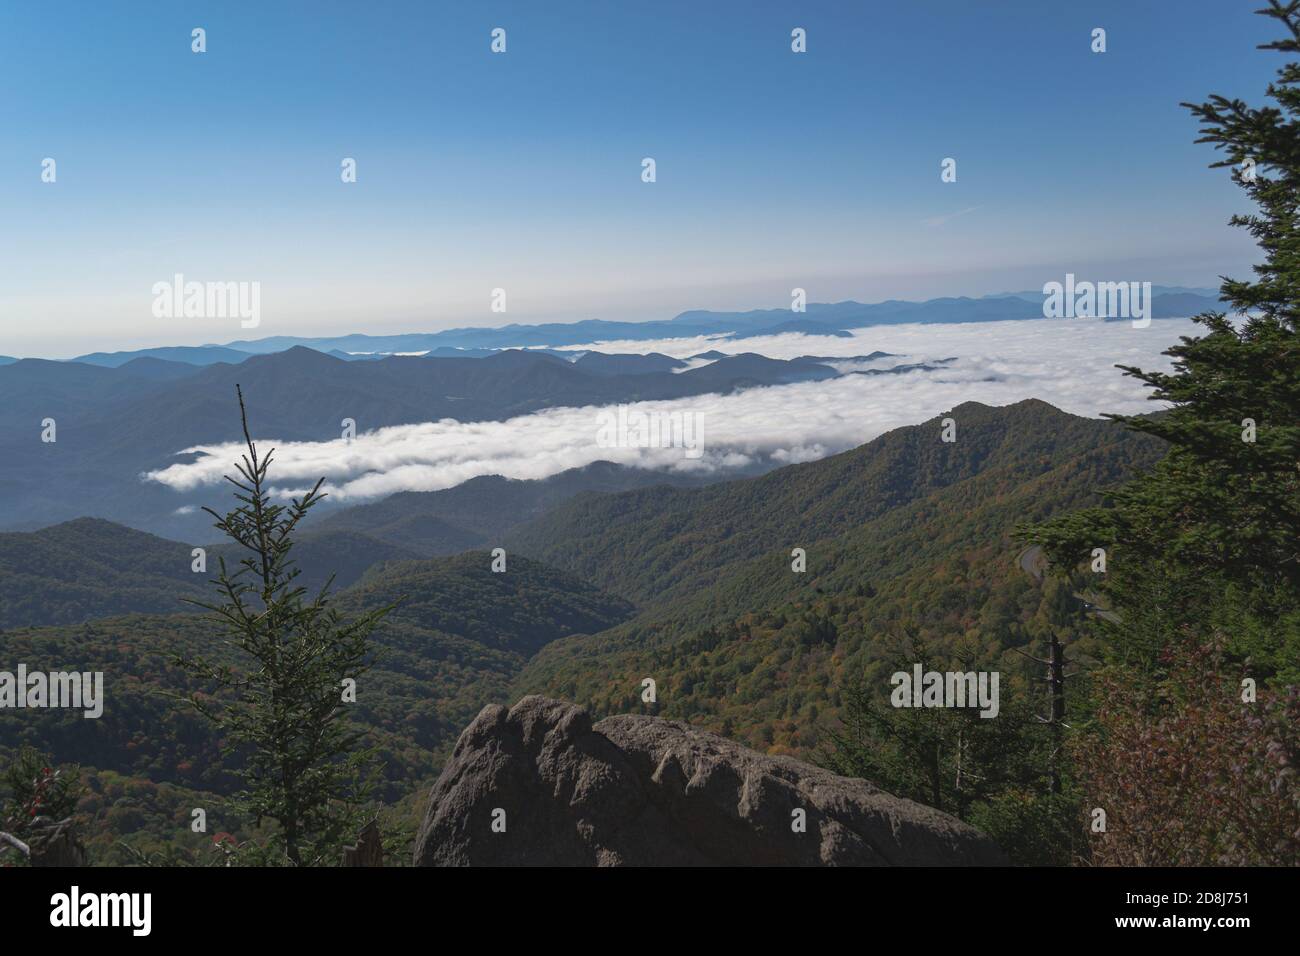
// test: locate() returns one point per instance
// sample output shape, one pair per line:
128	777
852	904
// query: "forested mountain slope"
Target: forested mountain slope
462	633
660	543
762	653
476	513
89	568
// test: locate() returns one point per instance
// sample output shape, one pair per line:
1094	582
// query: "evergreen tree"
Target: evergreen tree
281	709
1208	543
1203	555
990	772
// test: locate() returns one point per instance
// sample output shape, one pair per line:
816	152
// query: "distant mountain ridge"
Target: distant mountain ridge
821	319
124	414
187	354
116	423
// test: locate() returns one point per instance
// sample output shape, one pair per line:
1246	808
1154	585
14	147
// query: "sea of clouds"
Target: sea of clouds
1069	363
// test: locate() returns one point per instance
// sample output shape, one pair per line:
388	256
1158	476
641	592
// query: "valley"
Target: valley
905	536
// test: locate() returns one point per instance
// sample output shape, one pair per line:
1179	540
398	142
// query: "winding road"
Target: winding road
1034	563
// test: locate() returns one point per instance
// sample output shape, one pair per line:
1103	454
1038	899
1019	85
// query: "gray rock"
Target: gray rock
644	791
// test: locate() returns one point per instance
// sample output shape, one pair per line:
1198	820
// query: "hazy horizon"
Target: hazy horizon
504	321
522	170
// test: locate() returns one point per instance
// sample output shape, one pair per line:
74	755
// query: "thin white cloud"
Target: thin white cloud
1068	363
948	217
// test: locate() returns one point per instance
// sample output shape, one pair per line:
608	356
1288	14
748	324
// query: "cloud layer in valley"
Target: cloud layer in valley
1069	363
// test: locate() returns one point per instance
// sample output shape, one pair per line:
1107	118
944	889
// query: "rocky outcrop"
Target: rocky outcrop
539	785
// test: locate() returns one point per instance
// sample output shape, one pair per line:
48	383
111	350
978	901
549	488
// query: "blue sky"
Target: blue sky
522	170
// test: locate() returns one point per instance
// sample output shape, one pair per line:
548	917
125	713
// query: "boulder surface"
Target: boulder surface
539	785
